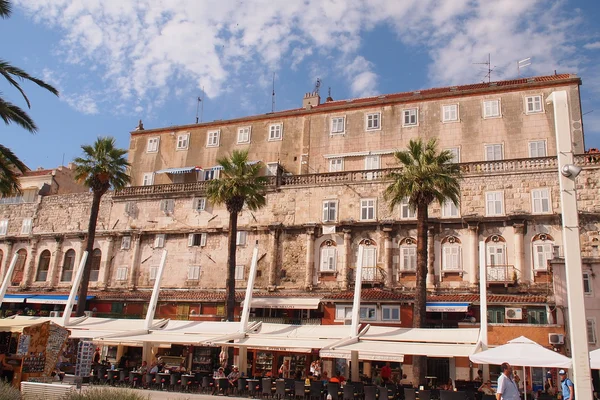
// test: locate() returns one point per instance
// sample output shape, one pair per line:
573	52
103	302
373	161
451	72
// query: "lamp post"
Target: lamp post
567	172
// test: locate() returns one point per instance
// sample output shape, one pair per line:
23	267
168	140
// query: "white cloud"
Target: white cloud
592	46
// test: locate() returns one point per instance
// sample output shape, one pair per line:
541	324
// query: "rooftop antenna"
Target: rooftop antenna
317	86
489	67
198	107
522	64
273	95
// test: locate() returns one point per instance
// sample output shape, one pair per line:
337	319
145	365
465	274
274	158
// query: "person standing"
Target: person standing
507	387
386	372
568	391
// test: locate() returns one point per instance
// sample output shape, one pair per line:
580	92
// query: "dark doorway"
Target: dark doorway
440	369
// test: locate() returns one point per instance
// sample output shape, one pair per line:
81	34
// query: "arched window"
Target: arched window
68	266
451	254
542	249
95	270
17	276
43	266
408	254
495	250
328	256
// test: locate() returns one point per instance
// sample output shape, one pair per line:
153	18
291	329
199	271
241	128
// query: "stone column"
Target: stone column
7	257
274	238
55	266
347	258
310	257
105	264
29	271
387	255
430	258
133	276
519	260
472	254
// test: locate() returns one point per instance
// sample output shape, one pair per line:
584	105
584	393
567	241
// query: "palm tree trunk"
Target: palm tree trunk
230	283
91	236
419	307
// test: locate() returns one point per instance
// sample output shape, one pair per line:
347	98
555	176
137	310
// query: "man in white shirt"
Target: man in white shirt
507	387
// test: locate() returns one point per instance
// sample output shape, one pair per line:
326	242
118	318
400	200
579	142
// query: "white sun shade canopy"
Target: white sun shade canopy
595	359
522	352
296	303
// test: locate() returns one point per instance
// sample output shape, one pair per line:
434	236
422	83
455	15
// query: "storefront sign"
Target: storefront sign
447	307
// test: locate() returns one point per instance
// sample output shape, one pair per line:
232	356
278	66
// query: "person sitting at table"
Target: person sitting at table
377	380
181	367
447	386
324	378
154	368
340	377
233	377
144	367
309	378
479	377
486	388
220	373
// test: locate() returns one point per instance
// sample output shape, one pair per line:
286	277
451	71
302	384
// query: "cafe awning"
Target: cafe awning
15	298
386	351
50	299
177	171
296	303
362	355
447	307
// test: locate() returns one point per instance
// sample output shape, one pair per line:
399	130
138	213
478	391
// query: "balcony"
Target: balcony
288	321
502	274
370	275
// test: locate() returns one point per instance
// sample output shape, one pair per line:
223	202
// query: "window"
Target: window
451	260
449	210
336	165
27	196
43	266
272	168
68	266
406	211
540	199
126	243
368	313
152	273
183	141
212	173
410	117
496	254
495	315
456	154
493	152
193	273
199	204
167	206
591	330
338	125
122	274
450	113
3	227
390	313
537	148
491	108
239	272
148	179
241	238
330	210
197	239
537	315
213	138
367	209
152	145
587	283
26	226
328	259
369	256
373	121
244	134
371	162
343	312
275	131
408	257
95	269
533	104
494	203
542	252
159	240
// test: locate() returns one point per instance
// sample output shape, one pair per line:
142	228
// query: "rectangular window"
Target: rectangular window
336	165
338	125
449	210
367	209
495	255
213	138
373	121
537	315
371	162
3	227
410	117
456	154
542	252
491	108
328	259
587	283
343	312
540	199
591	330
275	132
494	203
244	135
330	210
390	313
533	104
239	272
159	240
212	173
368	313
272	169
241	238
148	179
26	226
451	260
369	257
199	204
167	206
152	145
122	273
126	243
153	272
406	211
493	152
183	141
193	273
496	315
197	239
409	258
450	113
537	148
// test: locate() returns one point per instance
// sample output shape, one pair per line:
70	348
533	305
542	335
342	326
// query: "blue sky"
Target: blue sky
116	61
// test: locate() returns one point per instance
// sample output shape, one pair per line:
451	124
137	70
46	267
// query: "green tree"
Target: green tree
239	183
103	166
425	176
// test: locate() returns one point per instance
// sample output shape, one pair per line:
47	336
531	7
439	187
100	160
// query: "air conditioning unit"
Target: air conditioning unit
88	313
556	338
513	313
55	314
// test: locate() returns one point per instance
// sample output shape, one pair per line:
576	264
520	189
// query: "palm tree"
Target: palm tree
238	184
102	167
426	175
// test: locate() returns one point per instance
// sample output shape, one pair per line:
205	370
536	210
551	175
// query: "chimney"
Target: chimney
311	100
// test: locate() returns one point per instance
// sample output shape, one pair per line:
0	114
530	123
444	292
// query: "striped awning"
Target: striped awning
177	171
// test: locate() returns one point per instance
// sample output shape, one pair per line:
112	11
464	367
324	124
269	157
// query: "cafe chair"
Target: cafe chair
280	391
359	389
253	388
174	380
123	378
370	392
299	389
411	394
242	386
348	392
383	392
207	384
392	391
149	380
186	382
333	389
223	386
425	395
267	387
316	390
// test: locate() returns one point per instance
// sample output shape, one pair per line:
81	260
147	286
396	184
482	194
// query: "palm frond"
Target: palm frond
102	165
10	169
8	69
5	9
11	113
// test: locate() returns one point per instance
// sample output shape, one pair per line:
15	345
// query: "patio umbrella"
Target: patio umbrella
595	359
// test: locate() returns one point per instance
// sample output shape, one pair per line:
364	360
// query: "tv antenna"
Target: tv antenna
522	64
317	86
200	106
488	63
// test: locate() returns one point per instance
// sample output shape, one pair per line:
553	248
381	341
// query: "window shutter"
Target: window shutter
153	272
190	239
203	239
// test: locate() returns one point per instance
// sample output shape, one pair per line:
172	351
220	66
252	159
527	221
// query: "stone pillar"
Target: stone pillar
310	257
55	266
387	255
8	255
30	268
274	238
430	258
519	260
347	258
133	276
472	254
105	264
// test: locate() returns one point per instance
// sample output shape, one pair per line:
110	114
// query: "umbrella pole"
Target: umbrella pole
524	384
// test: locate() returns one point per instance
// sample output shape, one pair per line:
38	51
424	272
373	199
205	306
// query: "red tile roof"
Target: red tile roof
39	172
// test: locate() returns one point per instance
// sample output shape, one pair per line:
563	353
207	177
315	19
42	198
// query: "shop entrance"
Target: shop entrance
440	368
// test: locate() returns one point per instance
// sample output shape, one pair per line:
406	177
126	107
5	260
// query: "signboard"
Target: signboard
447	307
23	346
85	357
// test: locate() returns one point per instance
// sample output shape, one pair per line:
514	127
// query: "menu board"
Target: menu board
34	363
23	346
57	337
85	357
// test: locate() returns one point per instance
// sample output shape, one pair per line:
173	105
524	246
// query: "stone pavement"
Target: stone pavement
162	395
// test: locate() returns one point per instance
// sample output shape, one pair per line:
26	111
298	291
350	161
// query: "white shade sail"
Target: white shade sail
296	303
595	359
522	352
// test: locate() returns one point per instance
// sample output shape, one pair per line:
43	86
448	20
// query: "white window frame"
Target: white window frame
121	274
193	273
346	310
450	113
544	248
587	280
241	238
491	109
26	226
405	210
183	141
494	149
449	210
239	272
368	210
390	310
272	168
591	328
213	138
536	100
451	257
492	254
373	121
275	132
3	227
456	152
369	256
541	201
153	144
148	179
498	198
408	252
336	164
330	207
334	126
152	272
125	242
412	115
539	145
365	311
244	133
199	204
159	240
212	173
197	239
328	260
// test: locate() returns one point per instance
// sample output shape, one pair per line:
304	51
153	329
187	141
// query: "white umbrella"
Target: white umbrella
595	359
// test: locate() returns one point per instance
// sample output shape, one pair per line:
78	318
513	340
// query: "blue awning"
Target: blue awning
443	306
177	171
51	299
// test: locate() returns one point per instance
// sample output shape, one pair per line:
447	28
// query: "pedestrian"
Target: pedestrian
386	372
507	387
568	390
